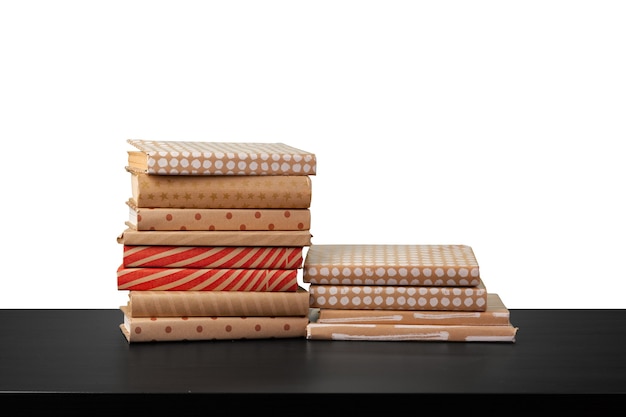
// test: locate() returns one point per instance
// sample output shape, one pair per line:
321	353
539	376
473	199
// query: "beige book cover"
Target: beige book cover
411	332
298	238
496	314
388	297
161	157
217	219
172	329
220	192
217	303
384	264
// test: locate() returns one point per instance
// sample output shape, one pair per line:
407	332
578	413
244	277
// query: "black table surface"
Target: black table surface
80	354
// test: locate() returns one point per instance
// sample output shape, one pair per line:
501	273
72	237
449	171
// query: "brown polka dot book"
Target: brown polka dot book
219	158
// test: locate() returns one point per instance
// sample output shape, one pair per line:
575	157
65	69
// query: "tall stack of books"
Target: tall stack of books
402	293
214	241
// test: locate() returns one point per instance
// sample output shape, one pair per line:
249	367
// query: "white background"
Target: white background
496	124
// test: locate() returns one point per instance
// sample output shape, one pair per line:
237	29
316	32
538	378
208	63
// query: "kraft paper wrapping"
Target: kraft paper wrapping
416	265
281	238
220	158
217	219
495	315
221	192
172	329
407	332
217	303
194	279
242	257
387	297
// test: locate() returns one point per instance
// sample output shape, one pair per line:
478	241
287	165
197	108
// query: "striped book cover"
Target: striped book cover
237	257
206	279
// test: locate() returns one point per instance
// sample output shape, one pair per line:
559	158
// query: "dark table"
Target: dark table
574	359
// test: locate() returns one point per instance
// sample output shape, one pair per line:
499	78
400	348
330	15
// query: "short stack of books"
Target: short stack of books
215	240
401	293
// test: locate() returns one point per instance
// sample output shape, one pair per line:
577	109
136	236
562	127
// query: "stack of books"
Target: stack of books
214	241
401	293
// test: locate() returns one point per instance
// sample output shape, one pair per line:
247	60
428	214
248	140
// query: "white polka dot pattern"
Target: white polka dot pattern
401	265
223	158
388	297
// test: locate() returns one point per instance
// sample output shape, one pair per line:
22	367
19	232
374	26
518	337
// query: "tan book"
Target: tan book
221	191
388	297
216	219
172	329
219	158
217	303
216	238
411	332
413	265
496	314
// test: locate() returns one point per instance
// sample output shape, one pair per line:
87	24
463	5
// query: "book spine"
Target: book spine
217	303
422	333
221	192
279	238
212	328
195	279
212	257
219	219
398	298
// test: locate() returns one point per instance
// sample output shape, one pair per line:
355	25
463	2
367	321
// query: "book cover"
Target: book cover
281	238
389	297
217	219
214	279
417	265
172	329
220	192
217	303
219	158
239	257
496	314
411	332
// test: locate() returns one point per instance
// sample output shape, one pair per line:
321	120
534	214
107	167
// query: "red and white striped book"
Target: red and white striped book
238	257
206	279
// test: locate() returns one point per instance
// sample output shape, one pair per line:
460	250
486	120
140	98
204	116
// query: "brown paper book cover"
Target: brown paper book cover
280	238
414	265
388	297
219	158
172	329
238	257
412	332
217	219
206	279
496	314
217	303
221	192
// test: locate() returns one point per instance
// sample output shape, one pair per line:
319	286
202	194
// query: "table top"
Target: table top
76	351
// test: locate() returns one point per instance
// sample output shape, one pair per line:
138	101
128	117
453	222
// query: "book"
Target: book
206	279
238	257
411	332
157	218
389	297
281	238
496	314
217	303
219	158
220	192
177	329
416	265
